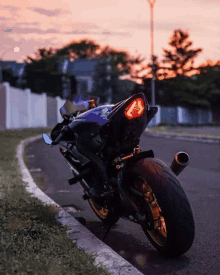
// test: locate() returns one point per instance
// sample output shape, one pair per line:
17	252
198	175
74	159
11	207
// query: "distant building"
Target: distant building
85	72
17	70
78	76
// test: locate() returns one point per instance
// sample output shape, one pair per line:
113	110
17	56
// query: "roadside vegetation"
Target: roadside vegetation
32	242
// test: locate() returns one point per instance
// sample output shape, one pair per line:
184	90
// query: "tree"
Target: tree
41	72
84	48
144	71
122	63
122	60
180	58
47	61
43	54
7	76
208	67
206	84
44	60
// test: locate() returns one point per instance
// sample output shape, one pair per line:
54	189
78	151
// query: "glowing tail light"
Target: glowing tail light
135	108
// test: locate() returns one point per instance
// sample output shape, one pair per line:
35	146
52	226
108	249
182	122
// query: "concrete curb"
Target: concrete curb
195	138
113	262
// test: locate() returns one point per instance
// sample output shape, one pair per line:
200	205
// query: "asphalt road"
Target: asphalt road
200	181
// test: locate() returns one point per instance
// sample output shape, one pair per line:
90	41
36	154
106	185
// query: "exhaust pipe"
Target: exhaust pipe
180	161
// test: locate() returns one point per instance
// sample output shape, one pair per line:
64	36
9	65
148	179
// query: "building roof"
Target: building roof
80	67
17	68
8	64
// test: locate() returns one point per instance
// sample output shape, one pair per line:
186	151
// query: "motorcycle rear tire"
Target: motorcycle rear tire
174	229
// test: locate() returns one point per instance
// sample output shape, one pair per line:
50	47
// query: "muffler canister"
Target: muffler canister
180	161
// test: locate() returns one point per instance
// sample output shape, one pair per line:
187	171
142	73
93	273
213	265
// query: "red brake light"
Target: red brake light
135	108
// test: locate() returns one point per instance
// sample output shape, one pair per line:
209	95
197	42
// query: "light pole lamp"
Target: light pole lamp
153	101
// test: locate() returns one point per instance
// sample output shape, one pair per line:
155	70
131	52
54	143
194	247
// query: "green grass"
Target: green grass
32	242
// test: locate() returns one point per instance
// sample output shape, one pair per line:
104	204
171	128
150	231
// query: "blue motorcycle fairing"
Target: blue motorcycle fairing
98	115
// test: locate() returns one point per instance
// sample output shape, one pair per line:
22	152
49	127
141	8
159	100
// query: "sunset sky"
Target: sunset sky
123	24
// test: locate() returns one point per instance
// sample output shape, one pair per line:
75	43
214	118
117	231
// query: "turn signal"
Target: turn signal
135	108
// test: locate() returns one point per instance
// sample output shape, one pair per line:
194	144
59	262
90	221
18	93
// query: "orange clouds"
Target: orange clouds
123	24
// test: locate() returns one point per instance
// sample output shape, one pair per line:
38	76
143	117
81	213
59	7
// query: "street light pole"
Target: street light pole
153	101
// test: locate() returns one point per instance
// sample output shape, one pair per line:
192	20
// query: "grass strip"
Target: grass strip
182	131
31	240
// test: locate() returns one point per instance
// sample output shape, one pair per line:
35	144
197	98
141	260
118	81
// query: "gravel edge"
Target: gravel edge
105	255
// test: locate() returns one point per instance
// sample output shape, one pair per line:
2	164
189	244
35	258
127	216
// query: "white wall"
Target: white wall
156	119
25	109
60	103
19	109
38	110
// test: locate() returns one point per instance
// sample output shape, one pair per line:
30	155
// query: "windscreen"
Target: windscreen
79	102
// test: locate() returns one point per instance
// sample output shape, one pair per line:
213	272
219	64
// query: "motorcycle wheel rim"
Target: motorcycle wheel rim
100	211
159	232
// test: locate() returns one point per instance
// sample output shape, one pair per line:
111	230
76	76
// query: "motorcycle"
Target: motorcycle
101	146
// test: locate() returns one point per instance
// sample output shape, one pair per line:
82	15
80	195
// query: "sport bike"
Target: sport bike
119	179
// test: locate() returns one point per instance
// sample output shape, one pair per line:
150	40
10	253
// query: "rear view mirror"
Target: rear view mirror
47	139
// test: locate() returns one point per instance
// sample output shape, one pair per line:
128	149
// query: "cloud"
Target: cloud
76	32
84	25
76	28
3	18
50	13
162	25
7	30
99	31
11	8
27	24
80	28
111	33
18	30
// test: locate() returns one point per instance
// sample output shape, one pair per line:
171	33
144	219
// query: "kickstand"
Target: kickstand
107	231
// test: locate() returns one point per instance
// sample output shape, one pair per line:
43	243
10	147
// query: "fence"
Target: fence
23	109
181	115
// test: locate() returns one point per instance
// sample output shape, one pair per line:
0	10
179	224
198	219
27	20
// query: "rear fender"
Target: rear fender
141	155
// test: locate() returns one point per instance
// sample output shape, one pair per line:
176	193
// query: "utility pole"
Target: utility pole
153	101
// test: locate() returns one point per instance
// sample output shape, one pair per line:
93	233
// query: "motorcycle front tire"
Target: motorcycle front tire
173	224
105	215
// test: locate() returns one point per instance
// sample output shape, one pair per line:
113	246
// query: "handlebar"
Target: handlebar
65	130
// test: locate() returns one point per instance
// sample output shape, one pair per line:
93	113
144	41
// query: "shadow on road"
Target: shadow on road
143	256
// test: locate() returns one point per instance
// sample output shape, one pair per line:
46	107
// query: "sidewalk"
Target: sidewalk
204	134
